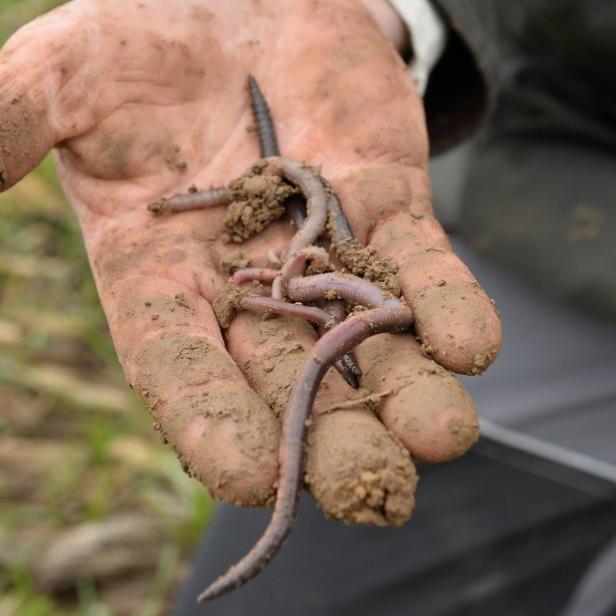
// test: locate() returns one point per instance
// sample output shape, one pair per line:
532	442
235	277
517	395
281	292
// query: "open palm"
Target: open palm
143	100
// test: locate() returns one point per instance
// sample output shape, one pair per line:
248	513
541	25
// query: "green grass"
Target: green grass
76	444
15	13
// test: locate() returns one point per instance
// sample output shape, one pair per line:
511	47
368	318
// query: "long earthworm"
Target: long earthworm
347	365
388	314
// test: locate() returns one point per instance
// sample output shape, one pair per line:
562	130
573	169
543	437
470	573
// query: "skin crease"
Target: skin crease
144	99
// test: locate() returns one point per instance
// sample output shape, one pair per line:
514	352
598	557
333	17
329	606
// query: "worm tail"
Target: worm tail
263	120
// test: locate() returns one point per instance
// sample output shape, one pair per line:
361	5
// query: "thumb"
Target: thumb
43	95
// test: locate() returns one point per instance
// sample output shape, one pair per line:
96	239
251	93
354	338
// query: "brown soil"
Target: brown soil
358	472
364	262
235	261
258	200
173	161
158	207
190	381
427	407
20	144
226	304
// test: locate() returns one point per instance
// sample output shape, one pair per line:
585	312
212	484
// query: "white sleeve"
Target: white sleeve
428	37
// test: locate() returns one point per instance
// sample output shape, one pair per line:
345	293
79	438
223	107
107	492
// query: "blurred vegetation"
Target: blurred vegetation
96	516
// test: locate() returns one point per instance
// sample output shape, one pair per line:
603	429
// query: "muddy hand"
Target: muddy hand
143	100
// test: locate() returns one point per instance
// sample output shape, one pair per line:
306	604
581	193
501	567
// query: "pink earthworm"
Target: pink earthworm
269	305
352	289
295	266
339	231
309	182
321	317
346	365
388	315
261	274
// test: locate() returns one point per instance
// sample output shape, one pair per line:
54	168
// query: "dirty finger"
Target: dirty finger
390	209
418	400
357	471
173	354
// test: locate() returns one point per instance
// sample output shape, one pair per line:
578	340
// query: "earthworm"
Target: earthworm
346	364
268	142
324	319
310	184
192	200
296	209
390	316
247	274
340	231
295	266
269	305
351	288
338	225
263	120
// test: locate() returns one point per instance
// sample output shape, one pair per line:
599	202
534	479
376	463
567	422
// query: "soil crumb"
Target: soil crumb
173	160
258	200
158	207
226	304
235	261
358	472
364	262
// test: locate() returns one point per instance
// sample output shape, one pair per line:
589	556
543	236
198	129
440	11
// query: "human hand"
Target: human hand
144	99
